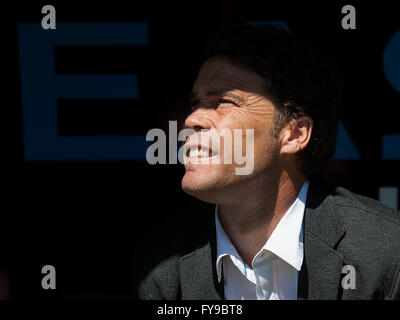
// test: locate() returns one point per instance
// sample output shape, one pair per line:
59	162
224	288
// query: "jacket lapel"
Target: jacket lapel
320	274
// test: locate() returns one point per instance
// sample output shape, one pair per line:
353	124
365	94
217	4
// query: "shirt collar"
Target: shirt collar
286	241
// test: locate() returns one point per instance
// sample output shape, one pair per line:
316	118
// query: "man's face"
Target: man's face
227	97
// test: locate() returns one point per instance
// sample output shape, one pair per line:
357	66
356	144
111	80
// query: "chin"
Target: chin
202	186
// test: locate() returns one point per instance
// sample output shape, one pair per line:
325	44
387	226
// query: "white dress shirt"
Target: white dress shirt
273	274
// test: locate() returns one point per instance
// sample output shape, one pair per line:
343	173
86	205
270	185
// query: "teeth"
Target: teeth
193	153
198	153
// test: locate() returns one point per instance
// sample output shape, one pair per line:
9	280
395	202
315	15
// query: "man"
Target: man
274	233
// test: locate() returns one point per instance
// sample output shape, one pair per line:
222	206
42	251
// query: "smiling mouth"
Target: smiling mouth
197	153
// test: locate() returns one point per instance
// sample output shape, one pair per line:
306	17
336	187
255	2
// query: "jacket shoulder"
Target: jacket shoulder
156	262
349	200
371	243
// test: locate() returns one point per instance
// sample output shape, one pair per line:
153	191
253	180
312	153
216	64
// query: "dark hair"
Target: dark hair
299	80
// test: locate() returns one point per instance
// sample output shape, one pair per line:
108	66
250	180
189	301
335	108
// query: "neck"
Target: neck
250	223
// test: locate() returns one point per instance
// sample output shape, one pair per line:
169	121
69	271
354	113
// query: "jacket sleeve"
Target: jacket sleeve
144	285
155	277
148	290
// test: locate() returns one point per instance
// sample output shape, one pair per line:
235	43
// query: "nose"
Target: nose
198	121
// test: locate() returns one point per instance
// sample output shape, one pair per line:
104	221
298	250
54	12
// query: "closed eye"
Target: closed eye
193	104
225	101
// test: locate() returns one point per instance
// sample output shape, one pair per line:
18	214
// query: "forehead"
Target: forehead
220	74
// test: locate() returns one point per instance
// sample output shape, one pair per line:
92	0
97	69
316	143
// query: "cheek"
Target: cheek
261	124
265	144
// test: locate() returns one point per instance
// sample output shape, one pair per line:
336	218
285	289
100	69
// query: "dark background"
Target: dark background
86	217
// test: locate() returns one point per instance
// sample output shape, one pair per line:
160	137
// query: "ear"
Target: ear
295	136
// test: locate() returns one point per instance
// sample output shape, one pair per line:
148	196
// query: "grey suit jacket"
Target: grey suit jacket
177	261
